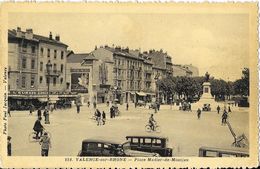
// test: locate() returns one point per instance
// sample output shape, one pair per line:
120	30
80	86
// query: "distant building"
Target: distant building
185	70
78	77
193	69
128	75
28	55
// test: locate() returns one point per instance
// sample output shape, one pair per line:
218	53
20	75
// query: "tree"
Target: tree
241	86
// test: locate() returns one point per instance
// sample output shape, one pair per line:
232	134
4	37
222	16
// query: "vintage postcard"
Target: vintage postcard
129	85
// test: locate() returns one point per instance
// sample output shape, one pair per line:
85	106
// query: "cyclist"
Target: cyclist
38	127
152	122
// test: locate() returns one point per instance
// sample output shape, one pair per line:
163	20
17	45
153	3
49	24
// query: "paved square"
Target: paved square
185	132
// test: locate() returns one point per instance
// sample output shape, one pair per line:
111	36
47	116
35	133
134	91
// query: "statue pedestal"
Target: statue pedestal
206	91
207	98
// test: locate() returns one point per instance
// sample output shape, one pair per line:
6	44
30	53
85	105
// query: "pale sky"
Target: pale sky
217	43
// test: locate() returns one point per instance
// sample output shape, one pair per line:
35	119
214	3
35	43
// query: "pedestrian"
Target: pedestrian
155	108
198	113
45	143
189	105
224	117
111	112
31	110
9	146
127	106
158	106
39	113
103	117
9	111
78	108
95	105
45	114
88	103
51	107
218	109
229	109
38	128
107	103
98	117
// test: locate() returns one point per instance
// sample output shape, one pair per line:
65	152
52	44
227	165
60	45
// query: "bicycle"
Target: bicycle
32	136
157	128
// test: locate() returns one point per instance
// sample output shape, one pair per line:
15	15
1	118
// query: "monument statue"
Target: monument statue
207	77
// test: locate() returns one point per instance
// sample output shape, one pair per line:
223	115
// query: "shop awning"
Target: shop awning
141	93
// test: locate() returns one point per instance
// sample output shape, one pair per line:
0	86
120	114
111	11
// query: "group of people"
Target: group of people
45	140
113	111
223	117
100	117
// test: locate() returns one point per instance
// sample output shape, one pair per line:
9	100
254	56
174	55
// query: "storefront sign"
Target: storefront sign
32	93
80	70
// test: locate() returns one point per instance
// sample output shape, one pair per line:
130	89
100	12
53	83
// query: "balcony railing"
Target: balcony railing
53	73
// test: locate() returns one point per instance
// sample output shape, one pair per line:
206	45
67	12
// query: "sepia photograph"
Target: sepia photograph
118	83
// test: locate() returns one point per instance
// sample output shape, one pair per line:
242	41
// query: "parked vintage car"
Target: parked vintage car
102	147
141	103
220	152
152	144
206	107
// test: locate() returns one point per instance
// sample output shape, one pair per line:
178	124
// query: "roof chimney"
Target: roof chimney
50	36
18	29
118	49
29	34
29	31
57	37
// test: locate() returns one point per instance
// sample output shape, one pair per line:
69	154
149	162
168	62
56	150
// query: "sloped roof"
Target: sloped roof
78	58
47	39
158	59
13	34
182	68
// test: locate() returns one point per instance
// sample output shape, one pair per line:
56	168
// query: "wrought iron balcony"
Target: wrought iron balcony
53	73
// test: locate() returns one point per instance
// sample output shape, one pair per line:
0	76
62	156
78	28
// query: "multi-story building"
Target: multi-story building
22	60
193	69
133	73
185	70
51	49
28	55
162	67
180	70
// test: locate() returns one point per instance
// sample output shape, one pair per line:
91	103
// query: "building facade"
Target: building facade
185	70
131	75
28	55
193	69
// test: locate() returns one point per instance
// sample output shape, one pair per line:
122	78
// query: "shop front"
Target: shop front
23	100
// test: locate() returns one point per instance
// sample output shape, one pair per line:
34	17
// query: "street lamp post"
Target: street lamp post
48	68
157	86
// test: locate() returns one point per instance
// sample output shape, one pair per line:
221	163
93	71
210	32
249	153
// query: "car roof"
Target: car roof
99	140
229	149
147	136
